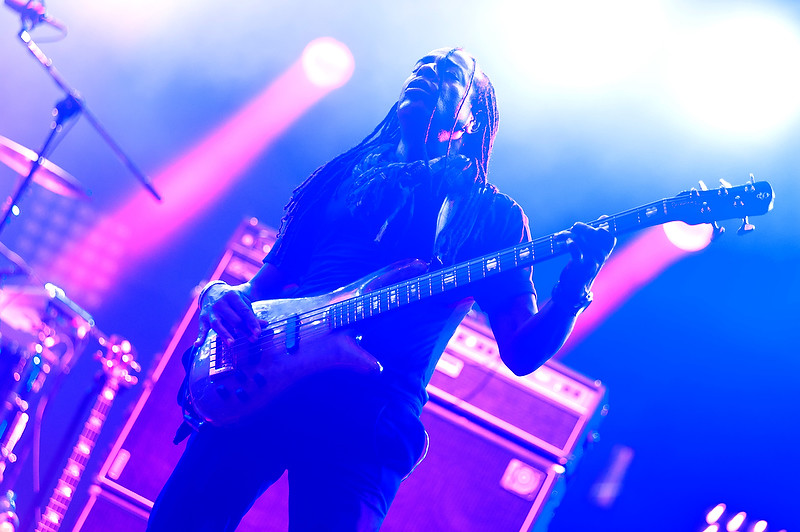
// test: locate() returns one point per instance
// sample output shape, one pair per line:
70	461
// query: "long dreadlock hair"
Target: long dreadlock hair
321	184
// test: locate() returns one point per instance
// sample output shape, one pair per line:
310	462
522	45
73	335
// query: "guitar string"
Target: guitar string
309	329
315	323
358	304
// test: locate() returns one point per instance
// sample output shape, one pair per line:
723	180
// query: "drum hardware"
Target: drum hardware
42	331
45	332
12	265
48	175
71	106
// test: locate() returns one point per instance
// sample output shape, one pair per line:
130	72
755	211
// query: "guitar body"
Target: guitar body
229	383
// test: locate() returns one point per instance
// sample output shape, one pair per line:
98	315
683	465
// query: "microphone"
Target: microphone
34	12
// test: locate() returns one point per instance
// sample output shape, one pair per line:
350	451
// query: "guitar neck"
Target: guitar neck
376	302
53	515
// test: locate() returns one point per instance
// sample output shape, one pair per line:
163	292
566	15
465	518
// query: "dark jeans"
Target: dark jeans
345	457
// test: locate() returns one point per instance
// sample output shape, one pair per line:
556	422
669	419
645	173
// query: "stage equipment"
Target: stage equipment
43	332
551	411
485	464
48	175
72	105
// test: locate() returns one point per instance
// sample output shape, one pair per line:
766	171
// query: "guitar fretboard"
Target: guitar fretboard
61	498
449	278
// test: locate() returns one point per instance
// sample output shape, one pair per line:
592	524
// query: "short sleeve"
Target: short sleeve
503	224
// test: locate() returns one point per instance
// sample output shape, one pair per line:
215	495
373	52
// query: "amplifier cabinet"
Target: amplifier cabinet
552	411
143	456
474	480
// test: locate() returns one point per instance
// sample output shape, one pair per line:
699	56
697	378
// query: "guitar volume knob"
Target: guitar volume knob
259	379
242	395
223	392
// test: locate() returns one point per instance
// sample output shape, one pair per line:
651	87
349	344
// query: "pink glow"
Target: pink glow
689	237
629	269
198	178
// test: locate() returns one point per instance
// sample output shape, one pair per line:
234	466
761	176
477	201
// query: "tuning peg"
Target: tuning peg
725	184
717	231
746	227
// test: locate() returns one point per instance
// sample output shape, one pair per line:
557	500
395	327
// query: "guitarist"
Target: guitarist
416	187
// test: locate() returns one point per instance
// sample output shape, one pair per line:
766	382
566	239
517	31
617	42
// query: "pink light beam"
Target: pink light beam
199	177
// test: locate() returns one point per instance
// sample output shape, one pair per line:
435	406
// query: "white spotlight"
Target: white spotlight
738	75
327	62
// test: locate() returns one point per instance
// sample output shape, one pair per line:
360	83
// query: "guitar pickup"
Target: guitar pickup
292	334
218	358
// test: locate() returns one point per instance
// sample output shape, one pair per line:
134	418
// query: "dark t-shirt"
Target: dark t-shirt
344	244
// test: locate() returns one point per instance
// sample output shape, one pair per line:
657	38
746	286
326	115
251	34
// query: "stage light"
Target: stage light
734	76
760	526
200	176
715	513
327	62
587	43
735	522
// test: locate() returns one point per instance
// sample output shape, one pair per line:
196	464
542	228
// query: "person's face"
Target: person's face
437	86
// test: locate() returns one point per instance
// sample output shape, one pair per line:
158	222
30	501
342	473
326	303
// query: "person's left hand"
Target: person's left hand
590	248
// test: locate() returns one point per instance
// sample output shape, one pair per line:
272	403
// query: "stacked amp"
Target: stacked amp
501	446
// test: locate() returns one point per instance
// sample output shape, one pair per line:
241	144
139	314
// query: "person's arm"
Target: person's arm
527	336
228	309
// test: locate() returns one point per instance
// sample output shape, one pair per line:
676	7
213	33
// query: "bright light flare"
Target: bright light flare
580	43
200	176
328	63
689	237
737	520
715	513
738	75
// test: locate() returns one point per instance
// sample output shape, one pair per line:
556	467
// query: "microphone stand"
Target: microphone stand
64	110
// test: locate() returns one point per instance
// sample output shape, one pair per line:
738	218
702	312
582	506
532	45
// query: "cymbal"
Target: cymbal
12	264
48	175
28	308
22	307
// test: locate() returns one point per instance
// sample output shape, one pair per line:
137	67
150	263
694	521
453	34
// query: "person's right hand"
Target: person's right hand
228	311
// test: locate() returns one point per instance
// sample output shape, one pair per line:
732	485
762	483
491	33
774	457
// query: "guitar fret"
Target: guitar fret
461	275
688	207
449	279
383	298
424	287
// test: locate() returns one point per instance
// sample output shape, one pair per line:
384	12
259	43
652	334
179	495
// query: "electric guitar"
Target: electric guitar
228	383
118	364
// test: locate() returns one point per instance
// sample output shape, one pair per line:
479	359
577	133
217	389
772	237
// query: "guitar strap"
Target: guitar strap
191	421
457	220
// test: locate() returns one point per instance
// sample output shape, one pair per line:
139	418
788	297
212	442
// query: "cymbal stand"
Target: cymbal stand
63	111
70	106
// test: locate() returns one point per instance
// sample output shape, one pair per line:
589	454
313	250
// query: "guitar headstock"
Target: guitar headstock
118	360
726	202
